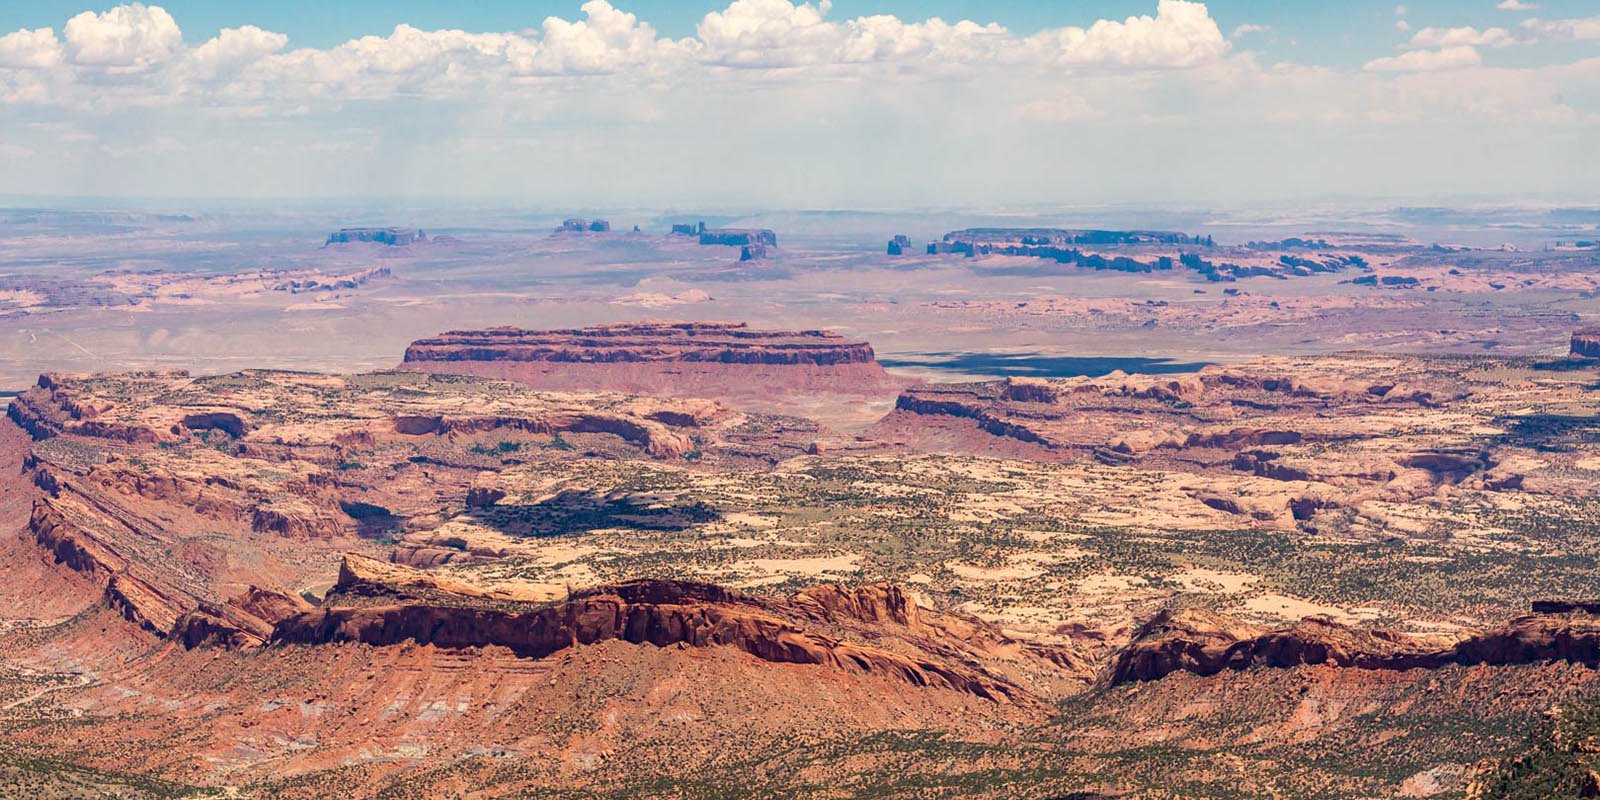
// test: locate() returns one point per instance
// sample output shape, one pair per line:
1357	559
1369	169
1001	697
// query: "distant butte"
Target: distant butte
392	237
1586	343
706	359
578	225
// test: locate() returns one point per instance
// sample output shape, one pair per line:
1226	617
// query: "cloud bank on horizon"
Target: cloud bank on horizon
777	103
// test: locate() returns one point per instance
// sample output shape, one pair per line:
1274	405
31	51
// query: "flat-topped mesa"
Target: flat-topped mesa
739	237
981	240
733	237
1140	252
693	342
718	360
1586	343
392	237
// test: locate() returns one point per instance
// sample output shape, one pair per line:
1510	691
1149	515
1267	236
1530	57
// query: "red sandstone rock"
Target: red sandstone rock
1206	643
685	359
397	604
1586	343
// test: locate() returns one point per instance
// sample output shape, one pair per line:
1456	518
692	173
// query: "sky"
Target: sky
869	104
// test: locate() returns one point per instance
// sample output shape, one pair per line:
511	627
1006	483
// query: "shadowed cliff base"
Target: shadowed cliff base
1039	366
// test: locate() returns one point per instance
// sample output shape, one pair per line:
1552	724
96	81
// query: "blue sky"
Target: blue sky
860	103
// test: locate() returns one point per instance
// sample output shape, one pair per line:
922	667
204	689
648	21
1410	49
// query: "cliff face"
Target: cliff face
689	342
730	362
1206	643
382	604
1586	343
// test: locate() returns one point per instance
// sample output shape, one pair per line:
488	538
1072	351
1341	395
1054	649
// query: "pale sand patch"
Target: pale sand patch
1289	608
804	566
1021	571
1052	536
1031	620
1020	566
750	520
1109	583
564	552
1212	581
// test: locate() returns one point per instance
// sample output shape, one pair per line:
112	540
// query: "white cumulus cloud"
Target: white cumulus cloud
234	48
1181	34
130	37
1516	5
606	40
1434	38
1427	60
25	49
1585	29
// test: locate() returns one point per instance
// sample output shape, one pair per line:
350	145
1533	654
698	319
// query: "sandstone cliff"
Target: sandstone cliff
385	604
1206	643
726	361
692	342
1586	343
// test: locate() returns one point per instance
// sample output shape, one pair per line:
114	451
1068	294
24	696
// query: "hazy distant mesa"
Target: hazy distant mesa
393	237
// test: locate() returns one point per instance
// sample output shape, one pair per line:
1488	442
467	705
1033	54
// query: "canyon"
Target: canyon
907	533
209	537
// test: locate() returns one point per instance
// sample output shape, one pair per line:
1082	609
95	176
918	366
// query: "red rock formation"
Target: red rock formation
724	361
50	409
392	604
1206	643
1586	343
656	437
69	546
880	602
244	621
688	342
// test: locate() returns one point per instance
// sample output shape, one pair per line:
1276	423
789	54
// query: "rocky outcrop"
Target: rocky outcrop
139	601
880	602
70	546
243	621
656	438
143	604
226	421
391	237
299	282
1249	417
51	409
1206	643
1586	343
